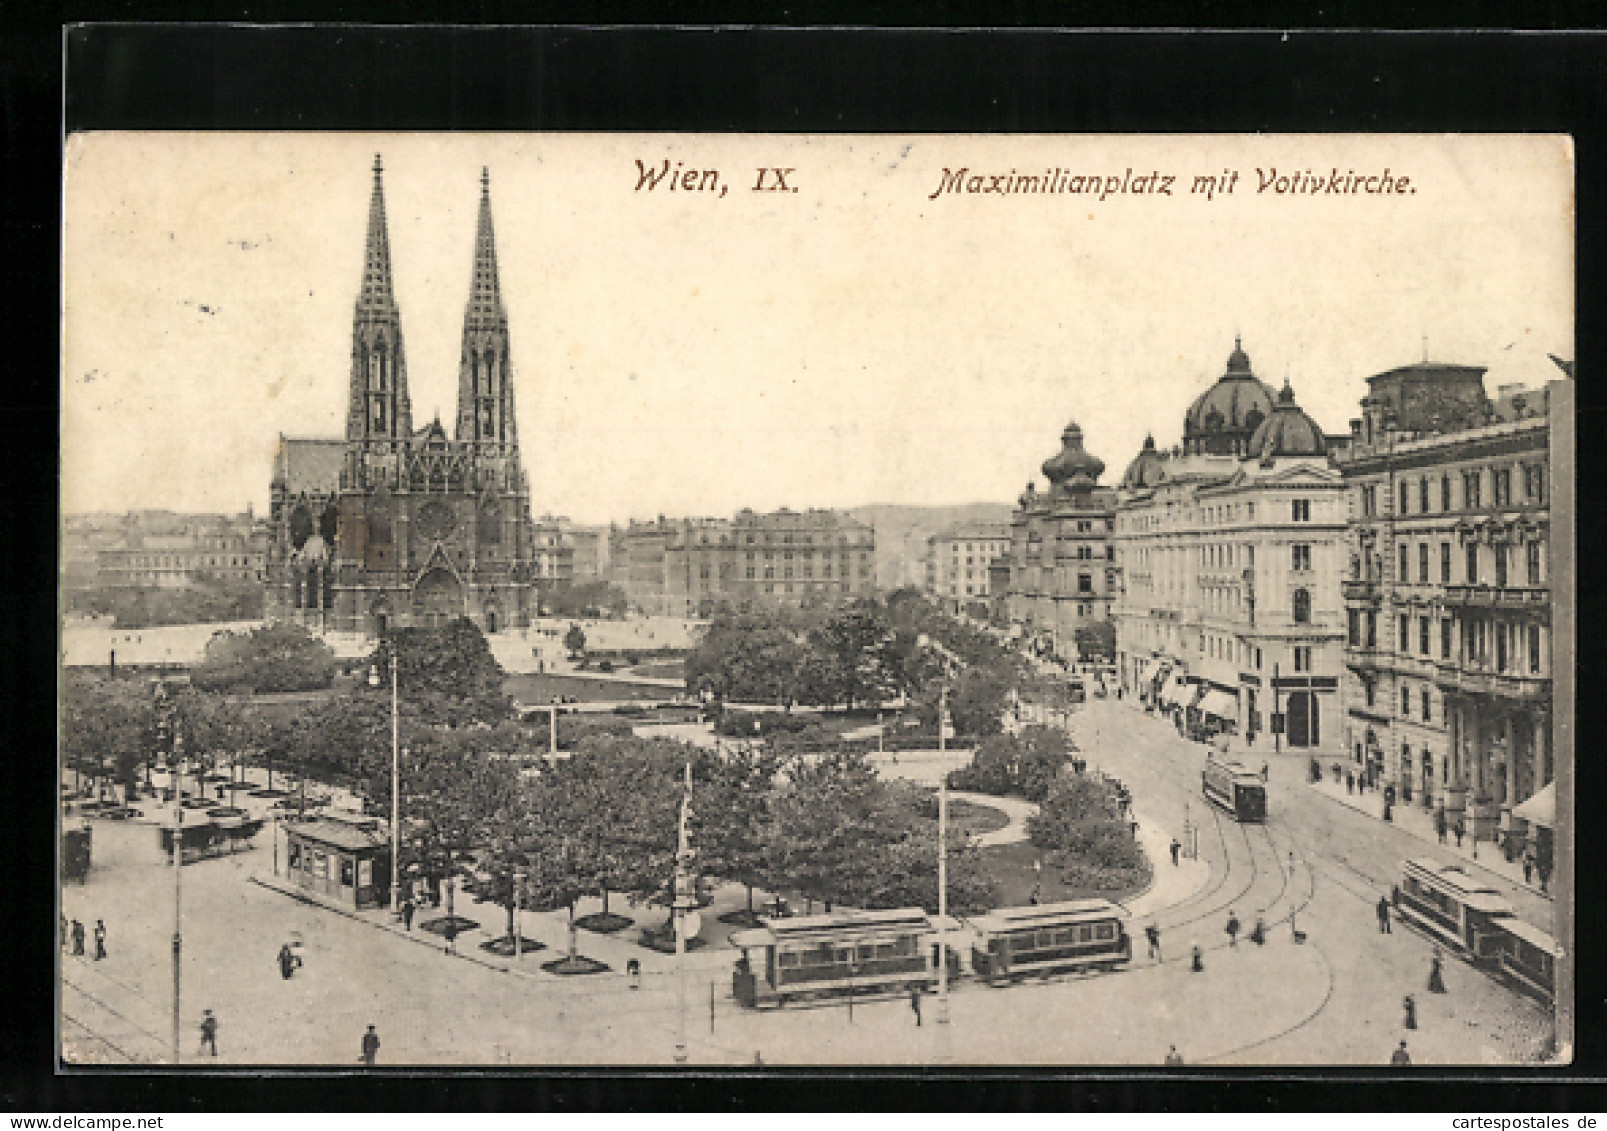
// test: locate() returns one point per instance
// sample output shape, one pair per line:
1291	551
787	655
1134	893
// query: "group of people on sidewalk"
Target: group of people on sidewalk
73	935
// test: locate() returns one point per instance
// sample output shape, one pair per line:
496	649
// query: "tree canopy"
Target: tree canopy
274	657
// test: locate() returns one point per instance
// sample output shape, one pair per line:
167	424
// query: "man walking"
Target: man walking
78	938
1176	848
1153	934
1401	1056
1233	929
288	961
915	1003
370	1046
209	1033
1439	824
1174	1059
1383	915
100	939
407	912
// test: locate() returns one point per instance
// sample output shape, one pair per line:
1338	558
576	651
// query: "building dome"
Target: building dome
1288	431
1148	467
1224	417
1072	468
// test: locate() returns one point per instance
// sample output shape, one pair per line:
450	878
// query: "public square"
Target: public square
1336	998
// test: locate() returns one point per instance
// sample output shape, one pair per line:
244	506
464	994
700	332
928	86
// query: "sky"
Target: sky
858	338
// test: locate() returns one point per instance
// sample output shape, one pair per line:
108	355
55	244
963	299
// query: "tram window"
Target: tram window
1085	934
1046	939
884	950
788	958
845	954
1067	936
1105	931
905	945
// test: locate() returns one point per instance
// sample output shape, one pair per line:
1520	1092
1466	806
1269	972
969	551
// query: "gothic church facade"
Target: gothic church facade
392	526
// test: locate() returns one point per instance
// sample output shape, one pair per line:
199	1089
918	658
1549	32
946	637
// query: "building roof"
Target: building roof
1072	468
1239	401
1148	467
309	465
1288	431
349	835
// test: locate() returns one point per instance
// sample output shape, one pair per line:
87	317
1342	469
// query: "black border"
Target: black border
129	76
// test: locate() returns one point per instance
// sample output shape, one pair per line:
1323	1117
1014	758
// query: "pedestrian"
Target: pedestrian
1409	1006
1037	895
1258	934
1383	915
1350	782
78	938
1439	824
1196	959
1153	934
915	1003
1264	772
758	1061
633	970
209	1032
1401	1056
288	961
370	1046
407	912
1528	864
1233	929
100	939
1174	1059
1460	831
1436	981
1543	869
66	933
1176	848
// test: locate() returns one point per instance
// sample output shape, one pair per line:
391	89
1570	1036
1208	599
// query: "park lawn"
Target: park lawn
661	669
975	818
539	690
1010	866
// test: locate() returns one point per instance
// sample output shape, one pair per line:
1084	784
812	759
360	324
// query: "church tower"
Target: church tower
379	411
485	373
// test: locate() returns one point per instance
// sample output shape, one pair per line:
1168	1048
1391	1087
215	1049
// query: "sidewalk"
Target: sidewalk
1170	884
1413	819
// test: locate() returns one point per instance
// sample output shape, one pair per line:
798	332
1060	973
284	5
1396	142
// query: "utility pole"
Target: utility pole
178	882
943	865
685	900
1279	722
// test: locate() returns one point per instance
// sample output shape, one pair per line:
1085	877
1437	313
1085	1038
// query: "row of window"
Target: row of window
1428	495
1486	640
1227	648
1500	555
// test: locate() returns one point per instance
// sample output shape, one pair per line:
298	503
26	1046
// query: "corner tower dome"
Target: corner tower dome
1224	417
1147	469
1072	468
1289	431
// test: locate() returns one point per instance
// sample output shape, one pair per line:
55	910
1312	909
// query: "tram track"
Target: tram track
127	1029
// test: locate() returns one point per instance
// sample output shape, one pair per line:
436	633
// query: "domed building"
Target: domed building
1061	563
1229	618
1222	420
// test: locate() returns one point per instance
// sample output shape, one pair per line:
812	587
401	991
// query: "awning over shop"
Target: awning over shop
1220	704
1541	809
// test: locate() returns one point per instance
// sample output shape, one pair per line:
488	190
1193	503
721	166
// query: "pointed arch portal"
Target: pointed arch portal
437	598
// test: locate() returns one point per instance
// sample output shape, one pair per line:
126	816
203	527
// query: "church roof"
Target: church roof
309	465
1239	401
1288	431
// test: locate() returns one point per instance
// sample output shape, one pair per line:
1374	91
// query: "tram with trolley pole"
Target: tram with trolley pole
1473	920
1235	788
1052	938
844	953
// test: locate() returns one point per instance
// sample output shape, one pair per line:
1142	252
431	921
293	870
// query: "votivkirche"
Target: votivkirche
393	526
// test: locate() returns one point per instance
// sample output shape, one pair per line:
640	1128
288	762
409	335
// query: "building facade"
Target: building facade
1231	550
1447	595
1062	560
690	567
160	550
392	526
958	561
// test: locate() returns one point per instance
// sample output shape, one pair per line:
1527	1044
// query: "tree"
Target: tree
447	674
575	641
106	721
731	813
1096	640
274	657
1026	765
977	701
823	828
747	656
858	642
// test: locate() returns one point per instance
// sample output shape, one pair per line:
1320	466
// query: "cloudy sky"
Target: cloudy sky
855	341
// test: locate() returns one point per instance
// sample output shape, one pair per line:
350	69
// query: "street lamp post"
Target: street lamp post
178	885
685	900
518	910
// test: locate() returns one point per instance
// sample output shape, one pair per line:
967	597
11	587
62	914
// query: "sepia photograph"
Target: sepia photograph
737	601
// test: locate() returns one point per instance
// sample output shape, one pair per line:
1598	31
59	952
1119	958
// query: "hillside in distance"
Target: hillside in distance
902	531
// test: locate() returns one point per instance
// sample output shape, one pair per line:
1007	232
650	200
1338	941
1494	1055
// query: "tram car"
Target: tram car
1449	905
838	954
1528	959
1236	789
1050	938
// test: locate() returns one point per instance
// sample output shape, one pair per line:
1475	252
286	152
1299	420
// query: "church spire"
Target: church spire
380	409
485	374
